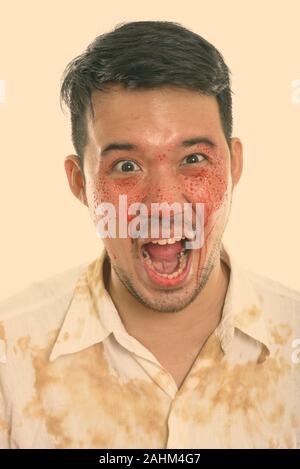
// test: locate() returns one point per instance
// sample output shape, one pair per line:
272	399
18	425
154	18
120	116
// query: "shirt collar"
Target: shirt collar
91	315
84	323
242	308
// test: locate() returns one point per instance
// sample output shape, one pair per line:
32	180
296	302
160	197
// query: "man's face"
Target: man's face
160	169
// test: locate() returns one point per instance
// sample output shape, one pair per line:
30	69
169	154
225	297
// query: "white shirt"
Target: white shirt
72	377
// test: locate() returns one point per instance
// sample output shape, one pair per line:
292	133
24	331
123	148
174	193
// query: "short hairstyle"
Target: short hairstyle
144	55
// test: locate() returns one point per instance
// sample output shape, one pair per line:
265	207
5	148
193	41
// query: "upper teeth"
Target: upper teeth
165	241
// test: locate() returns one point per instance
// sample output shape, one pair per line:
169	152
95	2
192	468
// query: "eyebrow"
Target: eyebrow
117	146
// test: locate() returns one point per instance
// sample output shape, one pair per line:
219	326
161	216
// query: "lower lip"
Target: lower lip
168	282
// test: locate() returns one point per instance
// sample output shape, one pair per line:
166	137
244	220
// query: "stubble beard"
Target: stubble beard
165	301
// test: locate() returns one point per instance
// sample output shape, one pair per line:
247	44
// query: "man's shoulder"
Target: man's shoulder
280	303
49	296
273	289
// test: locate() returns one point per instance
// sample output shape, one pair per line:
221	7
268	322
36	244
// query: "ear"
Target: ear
75	177
236	149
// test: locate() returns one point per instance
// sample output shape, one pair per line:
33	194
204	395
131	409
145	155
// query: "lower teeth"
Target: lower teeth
182	264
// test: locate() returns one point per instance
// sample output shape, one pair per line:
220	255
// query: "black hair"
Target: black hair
145	55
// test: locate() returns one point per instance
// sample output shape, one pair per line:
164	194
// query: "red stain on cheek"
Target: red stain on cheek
105	189
205	184
130	217
208	186
109	190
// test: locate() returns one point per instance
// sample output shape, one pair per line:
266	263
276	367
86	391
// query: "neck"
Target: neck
195	323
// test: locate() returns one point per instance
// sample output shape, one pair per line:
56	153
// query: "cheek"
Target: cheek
103	189
208	186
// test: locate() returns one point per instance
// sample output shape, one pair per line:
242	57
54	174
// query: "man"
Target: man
152	345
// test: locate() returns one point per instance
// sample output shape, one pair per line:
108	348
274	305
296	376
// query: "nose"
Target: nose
164	186
164	189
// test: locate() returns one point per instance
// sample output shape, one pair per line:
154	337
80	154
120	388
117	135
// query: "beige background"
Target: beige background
44	230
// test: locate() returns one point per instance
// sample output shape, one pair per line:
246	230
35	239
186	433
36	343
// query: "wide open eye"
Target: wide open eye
126	166
194	158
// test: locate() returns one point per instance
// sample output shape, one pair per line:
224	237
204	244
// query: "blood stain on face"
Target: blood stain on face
153	122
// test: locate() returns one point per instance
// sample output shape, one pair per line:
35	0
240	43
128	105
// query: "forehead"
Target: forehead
154	116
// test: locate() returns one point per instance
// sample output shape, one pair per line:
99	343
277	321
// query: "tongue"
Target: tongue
164	257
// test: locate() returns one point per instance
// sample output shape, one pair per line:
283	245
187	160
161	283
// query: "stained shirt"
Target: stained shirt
71	376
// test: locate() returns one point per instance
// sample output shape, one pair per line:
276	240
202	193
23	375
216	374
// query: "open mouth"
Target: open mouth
166	261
